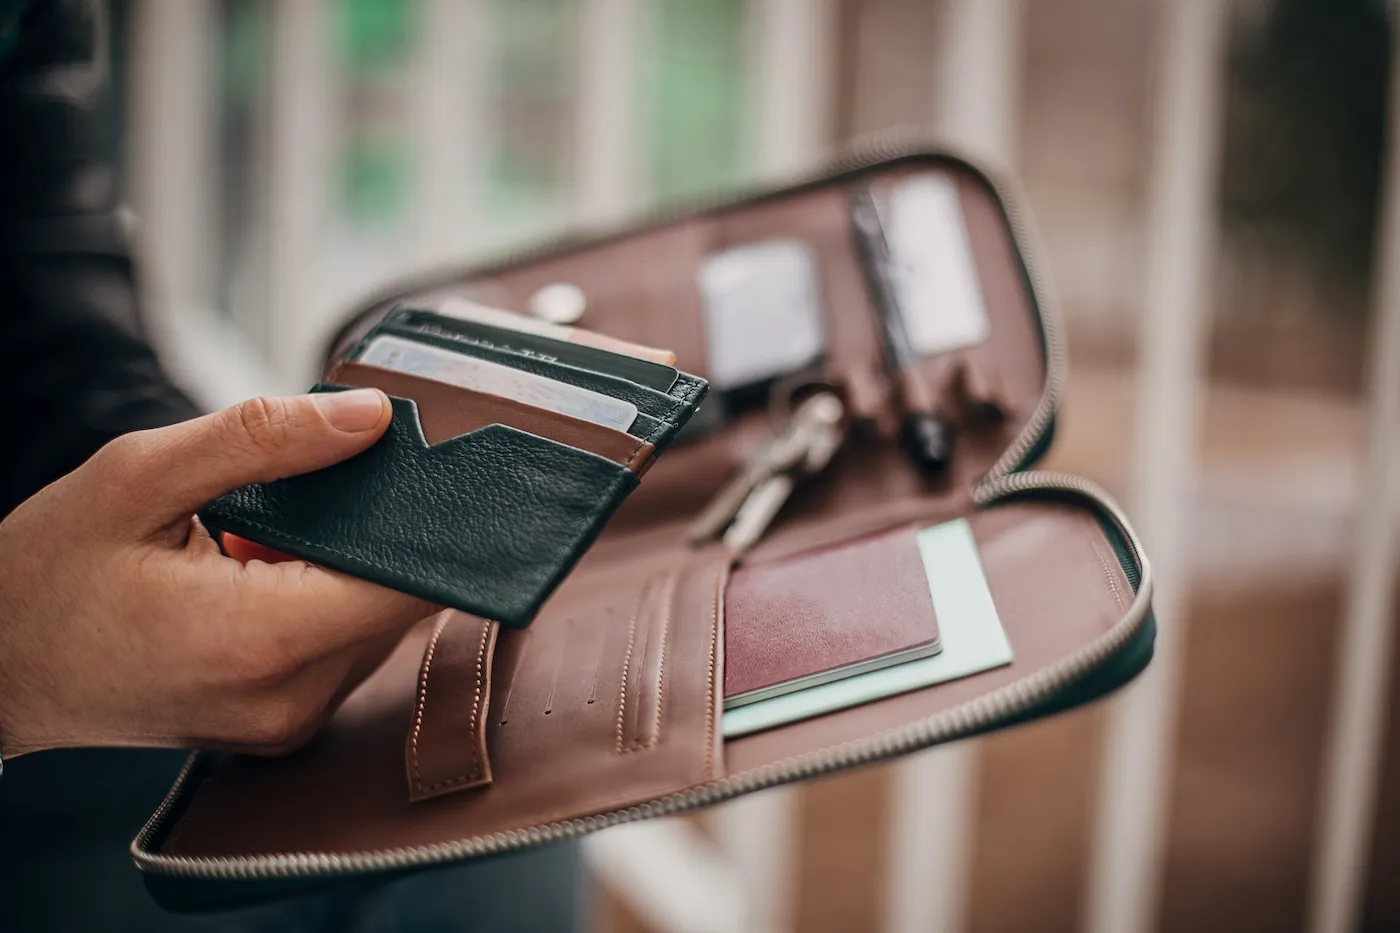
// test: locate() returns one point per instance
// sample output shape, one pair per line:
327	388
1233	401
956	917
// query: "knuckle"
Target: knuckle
121	453
279	722
266	422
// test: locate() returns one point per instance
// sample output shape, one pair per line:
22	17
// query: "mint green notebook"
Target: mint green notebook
971	632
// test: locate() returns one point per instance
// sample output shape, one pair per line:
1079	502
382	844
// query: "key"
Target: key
763	504
766	500
758	511
761	507
787	450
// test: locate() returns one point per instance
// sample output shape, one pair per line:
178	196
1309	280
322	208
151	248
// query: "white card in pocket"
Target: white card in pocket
940	295
480	375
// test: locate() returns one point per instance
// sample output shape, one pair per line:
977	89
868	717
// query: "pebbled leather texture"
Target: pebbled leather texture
488	522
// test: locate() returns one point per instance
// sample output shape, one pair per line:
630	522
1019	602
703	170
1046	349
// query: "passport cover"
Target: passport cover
970	629
818	612
488	522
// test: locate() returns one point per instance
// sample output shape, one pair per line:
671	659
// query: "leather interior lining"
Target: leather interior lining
557	697
566	734
663	309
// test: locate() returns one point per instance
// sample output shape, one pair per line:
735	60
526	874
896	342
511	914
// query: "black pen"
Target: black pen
925	435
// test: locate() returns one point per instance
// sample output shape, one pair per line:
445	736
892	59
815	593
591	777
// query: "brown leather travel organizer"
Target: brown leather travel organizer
471	741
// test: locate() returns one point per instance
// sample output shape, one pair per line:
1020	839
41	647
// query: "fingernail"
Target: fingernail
353	411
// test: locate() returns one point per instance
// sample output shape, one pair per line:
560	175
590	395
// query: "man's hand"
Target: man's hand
121	623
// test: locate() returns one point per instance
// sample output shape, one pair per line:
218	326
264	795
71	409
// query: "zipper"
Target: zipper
1002	481
968	718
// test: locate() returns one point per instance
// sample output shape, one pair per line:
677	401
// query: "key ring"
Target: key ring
789	392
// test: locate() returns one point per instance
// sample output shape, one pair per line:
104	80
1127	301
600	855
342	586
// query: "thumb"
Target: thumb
257	441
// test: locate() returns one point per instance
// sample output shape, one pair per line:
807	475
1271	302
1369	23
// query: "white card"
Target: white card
763	312
469	372
935	272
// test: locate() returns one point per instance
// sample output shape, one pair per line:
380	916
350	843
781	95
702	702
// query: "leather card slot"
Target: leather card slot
447	411
640	698
446	746
488	522
671	408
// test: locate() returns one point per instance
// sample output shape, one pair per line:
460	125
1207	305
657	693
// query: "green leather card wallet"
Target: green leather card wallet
471	500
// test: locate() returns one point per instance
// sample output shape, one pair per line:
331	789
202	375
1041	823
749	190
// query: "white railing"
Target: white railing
672	876
1126	867
1351	774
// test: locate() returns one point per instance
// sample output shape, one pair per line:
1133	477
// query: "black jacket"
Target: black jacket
75	366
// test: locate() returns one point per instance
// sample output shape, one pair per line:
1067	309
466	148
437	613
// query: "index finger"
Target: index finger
318	611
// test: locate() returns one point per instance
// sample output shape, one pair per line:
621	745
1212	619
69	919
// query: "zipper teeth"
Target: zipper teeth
1001	480
962	720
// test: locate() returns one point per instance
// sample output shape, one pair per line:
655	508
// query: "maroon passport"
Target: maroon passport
824	615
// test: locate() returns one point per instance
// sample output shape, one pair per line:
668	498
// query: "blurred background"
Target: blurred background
1210	182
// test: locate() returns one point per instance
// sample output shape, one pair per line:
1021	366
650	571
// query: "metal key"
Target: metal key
766	500
789	449
758	511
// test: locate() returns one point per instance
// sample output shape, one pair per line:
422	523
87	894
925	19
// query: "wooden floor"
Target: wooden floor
1273	518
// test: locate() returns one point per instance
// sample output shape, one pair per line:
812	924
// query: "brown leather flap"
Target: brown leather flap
447	411
446	747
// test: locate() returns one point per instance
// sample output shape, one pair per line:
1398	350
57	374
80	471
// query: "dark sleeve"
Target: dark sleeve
75	367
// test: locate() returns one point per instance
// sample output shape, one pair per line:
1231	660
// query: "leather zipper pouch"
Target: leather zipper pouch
471	500
474	739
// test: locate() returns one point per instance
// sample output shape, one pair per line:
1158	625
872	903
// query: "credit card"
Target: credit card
471	311
441	365
940	295
763	312
643	372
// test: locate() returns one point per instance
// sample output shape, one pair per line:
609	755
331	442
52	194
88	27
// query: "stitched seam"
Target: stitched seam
670	598
657	431
627	662
1108	575
637	450
420	707
475	771
710	676
691	390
